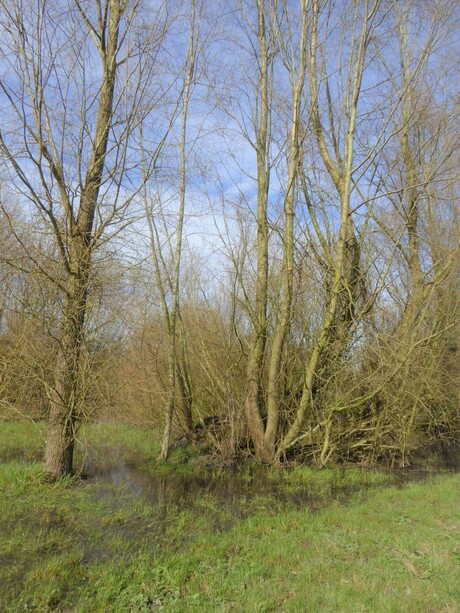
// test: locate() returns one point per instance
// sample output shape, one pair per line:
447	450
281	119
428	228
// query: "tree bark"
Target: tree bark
257	349
172	317
282	329
64	398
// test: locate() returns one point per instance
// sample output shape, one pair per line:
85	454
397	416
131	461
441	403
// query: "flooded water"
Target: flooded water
164	511
220	500
22	454
232	494
134	508
439	455
231	491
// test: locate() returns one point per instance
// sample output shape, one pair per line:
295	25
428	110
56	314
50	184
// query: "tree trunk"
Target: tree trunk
253	400
275	374
59	444
64	398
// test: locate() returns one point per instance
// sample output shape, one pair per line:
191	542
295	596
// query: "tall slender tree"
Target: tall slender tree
73	93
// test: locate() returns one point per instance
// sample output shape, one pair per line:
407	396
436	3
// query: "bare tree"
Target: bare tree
74	93
262	120
166	244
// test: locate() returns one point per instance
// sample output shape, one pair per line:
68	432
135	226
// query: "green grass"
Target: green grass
142	447
331	477
136	440
27	440
87	546
24	439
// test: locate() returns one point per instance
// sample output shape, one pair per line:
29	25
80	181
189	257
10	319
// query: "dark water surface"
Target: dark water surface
166	511
147	511
237	494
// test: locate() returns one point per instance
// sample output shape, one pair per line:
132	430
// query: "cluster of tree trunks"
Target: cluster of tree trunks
327	318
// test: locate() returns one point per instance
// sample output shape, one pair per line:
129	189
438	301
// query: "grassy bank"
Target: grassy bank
90	546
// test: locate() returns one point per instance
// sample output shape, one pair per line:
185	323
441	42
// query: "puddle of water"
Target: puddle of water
119	467
181	490
221	501
438	455
224	499
214	503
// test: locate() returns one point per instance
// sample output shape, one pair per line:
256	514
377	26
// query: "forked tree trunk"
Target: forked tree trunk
341	171
275	372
